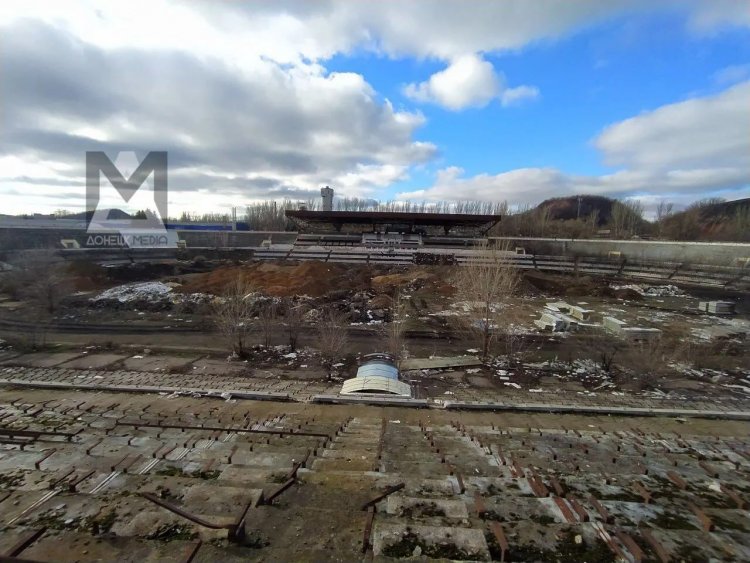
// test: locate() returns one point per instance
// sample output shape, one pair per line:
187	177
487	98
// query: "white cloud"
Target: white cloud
513	96
276	132
732	74
469	81
240	94
706	16
686	149
700	132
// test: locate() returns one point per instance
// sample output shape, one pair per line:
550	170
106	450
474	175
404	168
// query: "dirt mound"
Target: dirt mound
627	293
390	282
561	285
282	279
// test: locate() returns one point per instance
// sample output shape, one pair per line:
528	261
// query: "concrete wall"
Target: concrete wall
22	238
715	253
213	239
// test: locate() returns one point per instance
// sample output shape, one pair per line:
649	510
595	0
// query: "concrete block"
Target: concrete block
42	359
558	306
93	361
469	540
613	325
580	313
640	333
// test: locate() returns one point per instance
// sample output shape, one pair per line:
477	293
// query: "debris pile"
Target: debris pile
652	290
147	296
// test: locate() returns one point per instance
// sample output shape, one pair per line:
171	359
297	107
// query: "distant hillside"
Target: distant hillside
710	220
111	214
567	208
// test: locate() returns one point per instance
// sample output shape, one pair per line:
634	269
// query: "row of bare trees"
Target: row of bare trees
485	284
237	316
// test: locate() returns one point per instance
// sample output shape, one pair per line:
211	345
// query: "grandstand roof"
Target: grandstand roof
445	220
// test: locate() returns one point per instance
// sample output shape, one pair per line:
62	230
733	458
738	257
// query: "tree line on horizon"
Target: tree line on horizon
711	219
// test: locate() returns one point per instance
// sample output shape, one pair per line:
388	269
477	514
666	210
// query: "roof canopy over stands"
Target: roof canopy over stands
317	221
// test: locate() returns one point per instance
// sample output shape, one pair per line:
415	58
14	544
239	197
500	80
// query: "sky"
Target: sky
442	100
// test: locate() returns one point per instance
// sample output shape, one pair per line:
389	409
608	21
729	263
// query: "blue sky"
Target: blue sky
423	100
587	81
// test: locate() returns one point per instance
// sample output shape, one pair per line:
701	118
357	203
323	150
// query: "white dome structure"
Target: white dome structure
378	374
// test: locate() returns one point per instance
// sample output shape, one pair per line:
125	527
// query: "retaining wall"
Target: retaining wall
717	253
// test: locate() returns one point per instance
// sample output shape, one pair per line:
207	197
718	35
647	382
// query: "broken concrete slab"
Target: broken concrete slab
157	363
432	541
42	359
439	362
93	361
218	367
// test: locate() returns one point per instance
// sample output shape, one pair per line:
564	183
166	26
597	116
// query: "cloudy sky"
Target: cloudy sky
515	100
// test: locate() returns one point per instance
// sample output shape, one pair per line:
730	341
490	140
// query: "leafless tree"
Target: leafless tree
294	320
511	337
664	210
332	335
484	283
41	279
395	330
267	319
233	314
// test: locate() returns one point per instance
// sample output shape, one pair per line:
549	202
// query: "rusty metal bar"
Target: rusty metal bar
639	488
658	548
559	491
13	432
25	541
565	509
738	500
280	433
479	505
630	544
284	486
44	457
92	446
73	483
191	552
600	509
460	479
13	442
56	481
368	529
388	491
704	519
237	533
180	512
502	541
579	510
709	469
677	480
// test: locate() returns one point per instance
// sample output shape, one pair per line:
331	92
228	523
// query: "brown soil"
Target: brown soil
284	279
311	278
390	282
561	285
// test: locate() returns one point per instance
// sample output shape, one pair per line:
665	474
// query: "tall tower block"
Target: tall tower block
327	195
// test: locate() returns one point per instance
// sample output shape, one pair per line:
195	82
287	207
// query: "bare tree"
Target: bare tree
267	319
294	320
395	330
233	314
663	210
332	335
41	280
484	283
